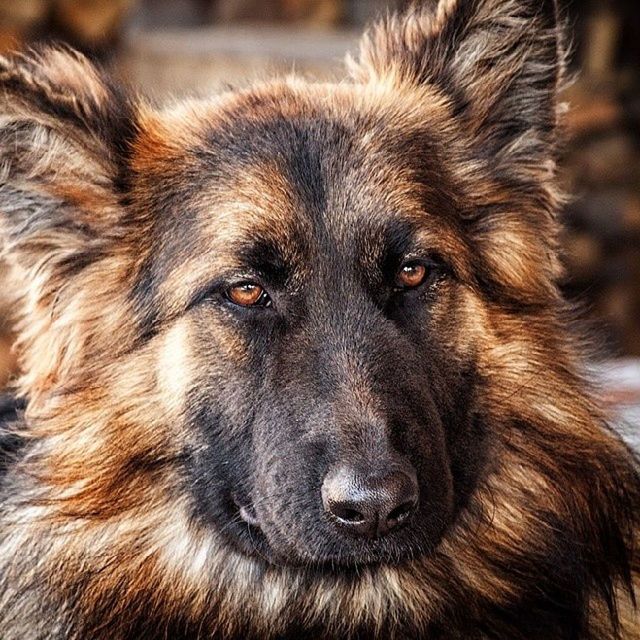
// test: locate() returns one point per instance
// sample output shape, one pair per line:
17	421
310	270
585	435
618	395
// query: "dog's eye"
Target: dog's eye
411	275
248	294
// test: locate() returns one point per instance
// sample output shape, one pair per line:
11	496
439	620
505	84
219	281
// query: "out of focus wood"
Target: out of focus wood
245	10
22	14
603	35
324	13
202	60
87	24
91	23
18	19
315	12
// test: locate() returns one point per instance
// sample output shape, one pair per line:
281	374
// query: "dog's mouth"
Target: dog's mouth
250	539
247	514
247	534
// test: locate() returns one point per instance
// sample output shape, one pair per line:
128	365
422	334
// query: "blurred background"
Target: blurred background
177	47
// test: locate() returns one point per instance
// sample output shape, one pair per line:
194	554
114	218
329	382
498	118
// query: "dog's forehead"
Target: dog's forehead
316	164
303	170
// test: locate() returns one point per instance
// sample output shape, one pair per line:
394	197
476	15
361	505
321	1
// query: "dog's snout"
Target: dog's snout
369	506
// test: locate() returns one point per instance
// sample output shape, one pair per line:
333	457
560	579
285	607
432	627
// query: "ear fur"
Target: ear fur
65	135
64	132
498	62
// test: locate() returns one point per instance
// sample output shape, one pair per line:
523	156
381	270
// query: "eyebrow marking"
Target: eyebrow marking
268	258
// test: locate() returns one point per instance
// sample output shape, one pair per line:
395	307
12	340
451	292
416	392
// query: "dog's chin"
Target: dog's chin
248	538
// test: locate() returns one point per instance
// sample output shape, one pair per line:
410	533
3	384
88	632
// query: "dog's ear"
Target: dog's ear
496	66
64	132
498	62
65	140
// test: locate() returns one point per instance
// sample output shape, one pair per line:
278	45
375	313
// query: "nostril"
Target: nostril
401	513
346	514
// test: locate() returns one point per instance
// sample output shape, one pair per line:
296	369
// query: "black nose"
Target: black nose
369	506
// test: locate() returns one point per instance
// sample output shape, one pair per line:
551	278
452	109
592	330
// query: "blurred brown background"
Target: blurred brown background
195	46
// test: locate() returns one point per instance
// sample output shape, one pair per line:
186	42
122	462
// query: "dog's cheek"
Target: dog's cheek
207	385
174	370
462	322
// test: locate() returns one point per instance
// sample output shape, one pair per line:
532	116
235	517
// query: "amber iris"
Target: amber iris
411	276
247	294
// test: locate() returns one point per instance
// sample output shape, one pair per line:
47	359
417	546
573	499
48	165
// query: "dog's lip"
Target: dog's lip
247	513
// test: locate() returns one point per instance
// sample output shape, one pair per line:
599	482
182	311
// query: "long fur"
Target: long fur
96	537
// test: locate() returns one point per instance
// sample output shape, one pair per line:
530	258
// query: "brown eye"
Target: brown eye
248	294
411	276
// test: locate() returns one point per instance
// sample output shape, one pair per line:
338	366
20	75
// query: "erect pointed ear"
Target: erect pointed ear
64	133
498	62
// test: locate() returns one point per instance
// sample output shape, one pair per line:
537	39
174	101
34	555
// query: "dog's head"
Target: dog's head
299	282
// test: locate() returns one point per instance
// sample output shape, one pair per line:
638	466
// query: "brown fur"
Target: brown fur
96	535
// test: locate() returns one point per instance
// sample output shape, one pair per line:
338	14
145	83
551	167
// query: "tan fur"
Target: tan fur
102	506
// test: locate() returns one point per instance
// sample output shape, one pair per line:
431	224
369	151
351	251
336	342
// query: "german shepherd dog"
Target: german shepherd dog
294	359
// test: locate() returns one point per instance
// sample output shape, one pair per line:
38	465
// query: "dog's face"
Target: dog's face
295	356
313	254
308	270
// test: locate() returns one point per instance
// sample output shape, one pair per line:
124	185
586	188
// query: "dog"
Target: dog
294	359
